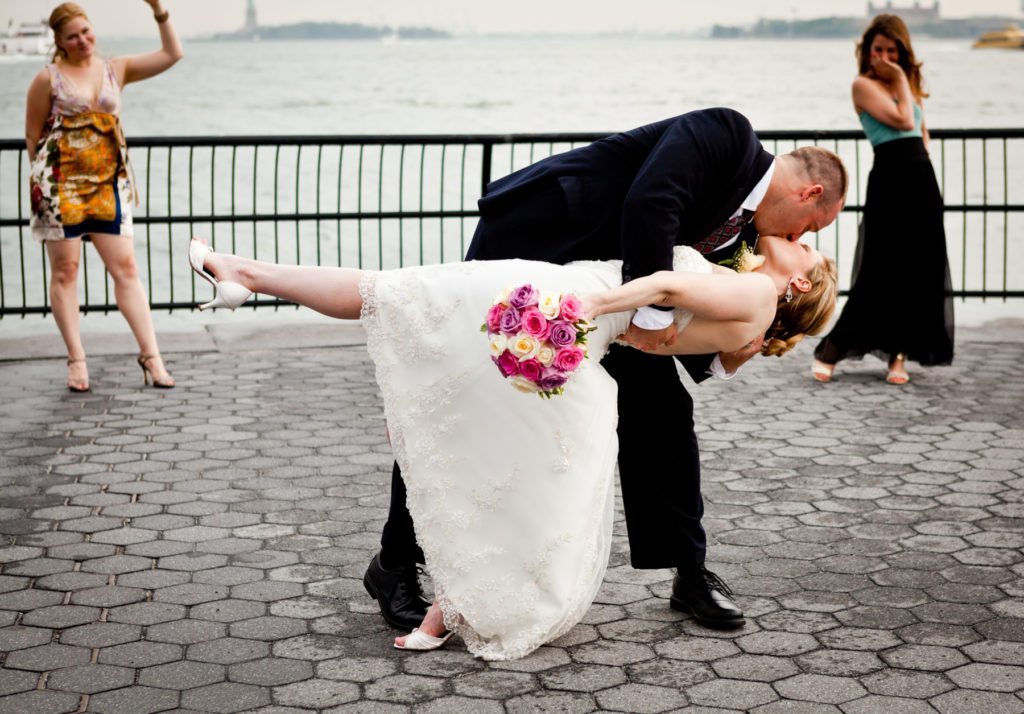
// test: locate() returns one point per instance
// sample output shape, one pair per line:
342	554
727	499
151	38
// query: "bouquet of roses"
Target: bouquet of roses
537	339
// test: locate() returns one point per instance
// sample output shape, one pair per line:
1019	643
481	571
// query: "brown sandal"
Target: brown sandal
147	374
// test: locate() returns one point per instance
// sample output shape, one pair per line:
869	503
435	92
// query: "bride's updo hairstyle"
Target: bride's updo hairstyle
62	15
807	314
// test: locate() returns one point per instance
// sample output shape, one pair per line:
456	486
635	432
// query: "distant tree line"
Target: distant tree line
334	31
846	27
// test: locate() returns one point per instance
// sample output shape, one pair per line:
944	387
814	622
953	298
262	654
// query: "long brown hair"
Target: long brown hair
807	314
895	29
62	15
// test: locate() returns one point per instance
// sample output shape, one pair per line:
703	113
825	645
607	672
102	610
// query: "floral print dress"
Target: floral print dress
80	182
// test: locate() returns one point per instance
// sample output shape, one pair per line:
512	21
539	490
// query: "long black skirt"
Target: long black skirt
899	298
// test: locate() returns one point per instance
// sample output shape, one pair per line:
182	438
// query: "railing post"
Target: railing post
485	169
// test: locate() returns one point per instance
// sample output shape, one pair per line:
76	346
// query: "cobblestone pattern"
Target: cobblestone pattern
201	549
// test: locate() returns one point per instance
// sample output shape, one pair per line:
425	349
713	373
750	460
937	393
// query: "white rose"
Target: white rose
499	343
546	355
549	305
522	384
502	297
524	346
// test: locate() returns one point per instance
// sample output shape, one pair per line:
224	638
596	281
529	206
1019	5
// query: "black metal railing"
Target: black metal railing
389	201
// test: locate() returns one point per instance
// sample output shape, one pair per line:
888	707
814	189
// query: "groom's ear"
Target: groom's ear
812	192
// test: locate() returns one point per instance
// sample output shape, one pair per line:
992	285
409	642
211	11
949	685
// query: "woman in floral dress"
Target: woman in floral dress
80	182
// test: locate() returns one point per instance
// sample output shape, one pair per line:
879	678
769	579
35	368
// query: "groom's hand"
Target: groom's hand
732	361
649	340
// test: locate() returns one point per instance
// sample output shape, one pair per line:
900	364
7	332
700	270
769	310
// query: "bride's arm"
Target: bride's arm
741	306
728	296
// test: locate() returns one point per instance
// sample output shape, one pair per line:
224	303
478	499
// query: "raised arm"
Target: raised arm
37	109
743	305
135	68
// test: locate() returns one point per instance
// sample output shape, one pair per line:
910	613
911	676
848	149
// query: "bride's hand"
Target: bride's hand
648	340
590	306
732	361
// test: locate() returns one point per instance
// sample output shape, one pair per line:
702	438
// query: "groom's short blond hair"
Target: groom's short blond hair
824	167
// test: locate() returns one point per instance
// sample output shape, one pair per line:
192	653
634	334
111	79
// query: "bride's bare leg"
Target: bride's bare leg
433	624
331	291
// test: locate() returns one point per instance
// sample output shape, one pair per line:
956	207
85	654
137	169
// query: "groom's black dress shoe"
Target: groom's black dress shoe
703	594
398	593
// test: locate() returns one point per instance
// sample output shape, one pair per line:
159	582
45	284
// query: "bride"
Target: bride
512	496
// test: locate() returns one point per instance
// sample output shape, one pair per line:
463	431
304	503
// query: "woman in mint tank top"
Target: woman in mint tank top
899	306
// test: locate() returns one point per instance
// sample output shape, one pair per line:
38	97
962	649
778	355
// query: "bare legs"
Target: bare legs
64	255
119	258
331	291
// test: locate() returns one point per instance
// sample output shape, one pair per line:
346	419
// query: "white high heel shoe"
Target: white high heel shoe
420	641
226	293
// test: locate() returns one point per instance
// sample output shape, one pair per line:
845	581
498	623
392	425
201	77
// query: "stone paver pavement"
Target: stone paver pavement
201	549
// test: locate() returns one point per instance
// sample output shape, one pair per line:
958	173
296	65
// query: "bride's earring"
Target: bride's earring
788	297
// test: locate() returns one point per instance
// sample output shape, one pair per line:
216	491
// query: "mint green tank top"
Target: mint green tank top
879	133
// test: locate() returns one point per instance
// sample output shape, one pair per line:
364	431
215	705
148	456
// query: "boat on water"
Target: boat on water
27	39
1010	37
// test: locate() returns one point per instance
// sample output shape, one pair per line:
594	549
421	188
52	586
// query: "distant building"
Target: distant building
910	15
250	25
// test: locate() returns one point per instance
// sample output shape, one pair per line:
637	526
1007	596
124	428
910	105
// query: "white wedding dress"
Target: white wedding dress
511	495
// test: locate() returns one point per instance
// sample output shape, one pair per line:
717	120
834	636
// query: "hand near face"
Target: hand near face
885	69
648	340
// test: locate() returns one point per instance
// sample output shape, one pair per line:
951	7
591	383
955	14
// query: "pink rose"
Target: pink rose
523	296
531	369
568	359
571	308
562	334
508	363
494	318
535	324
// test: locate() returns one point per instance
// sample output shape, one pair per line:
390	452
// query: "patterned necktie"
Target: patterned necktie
724	233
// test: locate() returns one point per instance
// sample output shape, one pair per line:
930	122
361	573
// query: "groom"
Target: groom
701	179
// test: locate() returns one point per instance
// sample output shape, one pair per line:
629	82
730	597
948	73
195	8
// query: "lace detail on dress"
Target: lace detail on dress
511	496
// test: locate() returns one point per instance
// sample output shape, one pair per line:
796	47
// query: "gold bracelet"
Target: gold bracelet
162	17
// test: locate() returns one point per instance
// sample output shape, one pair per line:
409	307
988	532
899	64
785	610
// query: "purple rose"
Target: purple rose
510	320
562	334
523	296
552	380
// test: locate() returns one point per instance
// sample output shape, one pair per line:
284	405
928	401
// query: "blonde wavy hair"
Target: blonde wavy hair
62	15
808	313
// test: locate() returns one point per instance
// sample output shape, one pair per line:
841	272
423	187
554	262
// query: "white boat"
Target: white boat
26	39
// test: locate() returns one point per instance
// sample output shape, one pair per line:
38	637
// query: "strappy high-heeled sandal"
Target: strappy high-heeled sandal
892	377
420	641
147	374
77	386
822	371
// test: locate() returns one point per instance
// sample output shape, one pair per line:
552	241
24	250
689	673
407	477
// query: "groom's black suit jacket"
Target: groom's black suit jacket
633	196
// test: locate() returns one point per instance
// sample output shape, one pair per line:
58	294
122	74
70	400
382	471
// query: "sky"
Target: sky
117	18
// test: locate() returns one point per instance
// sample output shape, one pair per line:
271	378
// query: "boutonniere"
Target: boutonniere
744	260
